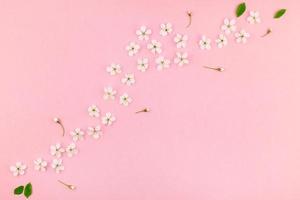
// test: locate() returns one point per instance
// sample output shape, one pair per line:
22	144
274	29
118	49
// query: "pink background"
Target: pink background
230	136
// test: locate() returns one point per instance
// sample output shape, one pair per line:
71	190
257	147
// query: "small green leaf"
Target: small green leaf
19	190
28	190
279	13
240	9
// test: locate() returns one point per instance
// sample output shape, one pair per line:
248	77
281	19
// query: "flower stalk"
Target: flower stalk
219	69
143	110
71	187
189	14
267	32
58	121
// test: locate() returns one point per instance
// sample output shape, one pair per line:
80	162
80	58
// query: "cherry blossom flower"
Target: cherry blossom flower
162	63
132	48
113	69
221	41
180	40
253	17
229	26
165	29
125	100
241	37
181	59
71	150
109	93
128	79
77	134
56	150
93	111
18	169
95	132
57	165
155	47
143	33
108	119
204	43
40	164
142	64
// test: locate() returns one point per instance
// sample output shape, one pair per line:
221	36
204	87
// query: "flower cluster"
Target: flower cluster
144	34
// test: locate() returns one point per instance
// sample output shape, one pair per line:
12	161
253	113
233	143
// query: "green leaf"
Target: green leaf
28	190
19	190
279	13
240	9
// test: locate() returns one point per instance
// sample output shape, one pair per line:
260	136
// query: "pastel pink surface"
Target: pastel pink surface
231	135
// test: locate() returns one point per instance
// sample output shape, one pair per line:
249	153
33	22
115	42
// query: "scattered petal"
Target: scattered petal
143	33
155	47
93	111
142	64
77	135
180	40
108	119
204	43
128	79
162	63
125	100
132	48
241	37
165	29
181	59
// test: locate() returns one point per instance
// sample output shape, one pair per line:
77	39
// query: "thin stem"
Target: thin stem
267	32
220	69
143	110
189	14
58	121
71	187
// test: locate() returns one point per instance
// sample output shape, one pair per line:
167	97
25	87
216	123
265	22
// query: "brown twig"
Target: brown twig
71	187
220	69
267	32
189	14
143	110
58	121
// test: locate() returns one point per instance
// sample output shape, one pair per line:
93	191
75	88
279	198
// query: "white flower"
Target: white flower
165	29
154	46
143	33
241	37
132	48
128	79
125	100
40	164
56	150
180	40
204	43
253	17
57	165
93	111
108	119
18	169
181	59
221	41
142	64
77	134
71	150
113	69
109	93
229	26
95	132
162	63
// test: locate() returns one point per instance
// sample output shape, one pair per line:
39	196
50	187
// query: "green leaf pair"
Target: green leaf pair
27	190
241	8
